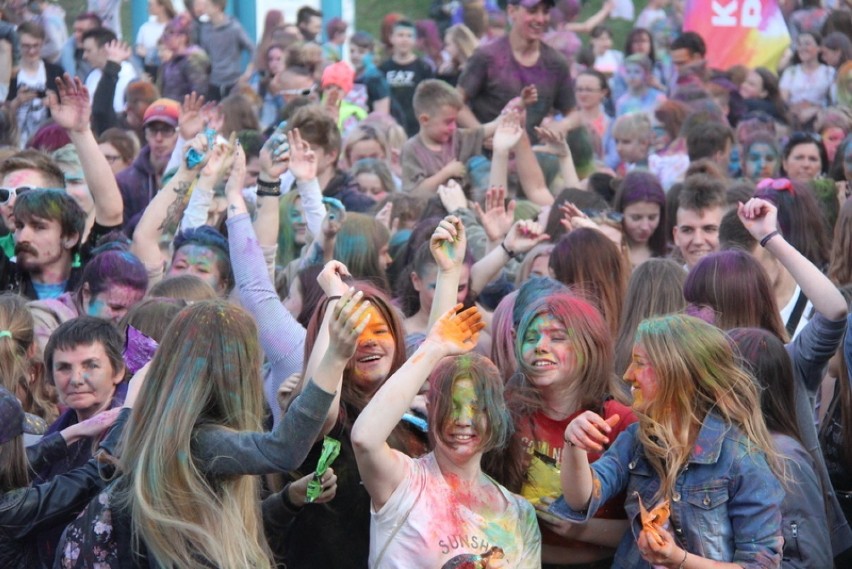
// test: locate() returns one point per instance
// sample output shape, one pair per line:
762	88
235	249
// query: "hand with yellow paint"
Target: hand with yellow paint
457	332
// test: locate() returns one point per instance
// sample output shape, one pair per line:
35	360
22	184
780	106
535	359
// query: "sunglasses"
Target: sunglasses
299	92
6	194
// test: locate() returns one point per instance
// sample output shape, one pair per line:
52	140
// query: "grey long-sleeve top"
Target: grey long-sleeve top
281	336
810	352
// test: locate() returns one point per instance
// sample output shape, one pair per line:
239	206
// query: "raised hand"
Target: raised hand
449	244
331	278
529	95
238	171
70	106
386	218
524	235
275	155
457	332
759	217
497	218
117	51
303	161
452	196
509	131
218	159
349	319
589	431
191	121
551	142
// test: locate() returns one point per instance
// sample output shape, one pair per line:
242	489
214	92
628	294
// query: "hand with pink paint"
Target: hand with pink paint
524	235
449	244
91	427
589	431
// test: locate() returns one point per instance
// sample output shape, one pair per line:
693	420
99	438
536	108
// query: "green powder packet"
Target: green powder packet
330	450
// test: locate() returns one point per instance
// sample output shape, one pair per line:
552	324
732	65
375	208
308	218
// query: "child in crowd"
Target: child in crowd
224	40
337	81
370	90
404	71
640	96
438	153
632	136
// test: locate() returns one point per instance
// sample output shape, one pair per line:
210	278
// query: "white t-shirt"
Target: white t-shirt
148	35
32	115
814	87
125	77
443	532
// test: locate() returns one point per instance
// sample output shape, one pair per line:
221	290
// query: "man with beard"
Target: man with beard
48	226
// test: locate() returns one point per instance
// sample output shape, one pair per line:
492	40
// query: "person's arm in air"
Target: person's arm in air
383	468
71	109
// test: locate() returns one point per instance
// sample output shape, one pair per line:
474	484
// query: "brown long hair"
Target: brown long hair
587	261
352	398
655	289
592	382
840	266
736	287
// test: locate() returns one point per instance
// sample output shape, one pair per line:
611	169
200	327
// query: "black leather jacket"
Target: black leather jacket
27	510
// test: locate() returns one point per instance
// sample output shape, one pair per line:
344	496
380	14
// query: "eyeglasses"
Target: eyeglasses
6	194
780	184
30	46
299	92
157	128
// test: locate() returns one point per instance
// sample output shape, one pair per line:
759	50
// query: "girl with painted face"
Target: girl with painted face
337	533
642	202
564	351
699	422
761	157
640	96
441	509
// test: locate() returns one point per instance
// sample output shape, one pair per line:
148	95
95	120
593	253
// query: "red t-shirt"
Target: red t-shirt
544	440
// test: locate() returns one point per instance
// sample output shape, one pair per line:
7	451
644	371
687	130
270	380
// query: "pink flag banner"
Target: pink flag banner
745	32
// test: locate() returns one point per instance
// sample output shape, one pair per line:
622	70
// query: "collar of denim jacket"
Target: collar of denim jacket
708	445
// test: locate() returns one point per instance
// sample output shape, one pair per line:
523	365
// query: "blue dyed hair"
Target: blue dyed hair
206	236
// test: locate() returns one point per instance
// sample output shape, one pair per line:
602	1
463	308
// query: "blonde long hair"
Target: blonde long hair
206	375
697	373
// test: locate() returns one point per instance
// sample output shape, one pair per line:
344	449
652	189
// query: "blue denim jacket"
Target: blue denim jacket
725	505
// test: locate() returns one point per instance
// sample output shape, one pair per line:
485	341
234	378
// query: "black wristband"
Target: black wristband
511	254
268	193
269	185
766	239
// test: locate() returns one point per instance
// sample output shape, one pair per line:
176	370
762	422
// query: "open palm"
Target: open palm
71	108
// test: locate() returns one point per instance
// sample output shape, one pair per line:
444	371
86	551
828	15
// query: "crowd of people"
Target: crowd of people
486	291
